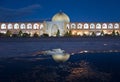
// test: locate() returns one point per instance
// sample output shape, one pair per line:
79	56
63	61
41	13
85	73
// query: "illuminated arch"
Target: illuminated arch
79	26
29	26
3	26
98	26
68	26
104	26
10	26
116	26
73	26
16	26
36	26
110	26
22	26
86	26
92	26
41	26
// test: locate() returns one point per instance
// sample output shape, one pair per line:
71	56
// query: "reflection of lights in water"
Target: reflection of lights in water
61	57
58	55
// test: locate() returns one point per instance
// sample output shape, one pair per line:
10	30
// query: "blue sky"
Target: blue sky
77	10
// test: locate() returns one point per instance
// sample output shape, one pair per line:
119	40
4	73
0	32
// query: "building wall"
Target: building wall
89	28
76	28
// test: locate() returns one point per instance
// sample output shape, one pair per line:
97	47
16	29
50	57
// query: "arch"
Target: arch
73	26
29	26
36	26
16	26
54	30
110	26
92	26
3	26
98	26
68	26
86	26
22	26
104	26
10	26
79	26
41	26
116	26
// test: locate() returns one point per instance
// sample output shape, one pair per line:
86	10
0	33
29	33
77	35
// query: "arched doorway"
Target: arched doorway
54	30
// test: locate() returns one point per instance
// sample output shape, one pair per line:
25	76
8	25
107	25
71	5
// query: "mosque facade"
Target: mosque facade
60	22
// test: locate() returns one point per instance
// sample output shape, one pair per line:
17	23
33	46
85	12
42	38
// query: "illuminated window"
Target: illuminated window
3	26
73	26
98	26
79	26
10	26
116	26
110	26
104	26
22	26
67	26
41	26
36	26
86	26
16	26
29	26
92	26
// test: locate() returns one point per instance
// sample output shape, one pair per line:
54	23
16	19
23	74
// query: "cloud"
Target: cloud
6	13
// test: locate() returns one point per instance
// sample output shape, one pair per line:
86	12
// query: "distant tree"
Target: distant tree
45	35
26	35
8	33
102	33
93	34
84	34
68	33
20	34
113	33
117	33
35	35
58	33
2	35
14	35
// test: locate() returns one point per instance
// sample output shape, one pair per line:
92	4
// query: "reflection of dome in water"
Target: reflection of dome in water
60	17
61	57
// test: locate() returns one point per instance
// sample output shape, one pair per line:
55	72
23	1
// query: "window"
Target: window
110	26
86	26
73	26
41	26
16	26
98	26
10	26
104	26
22	26
29	26
116	26
67	26
79	26
92	26
3	26
36	26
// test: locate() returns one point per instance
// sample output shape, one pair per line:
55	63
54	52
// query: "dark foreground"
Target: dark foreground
21	60
95	67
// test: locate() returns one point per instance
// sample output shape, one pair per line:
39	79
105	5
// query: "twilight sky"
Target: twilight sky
77	10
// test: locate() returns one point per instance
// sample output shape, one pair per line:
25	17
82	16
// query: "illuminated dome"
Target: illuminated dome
60	17
61	57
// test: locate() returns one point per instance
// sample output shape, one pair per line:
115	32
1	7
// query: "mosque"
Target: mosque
59	22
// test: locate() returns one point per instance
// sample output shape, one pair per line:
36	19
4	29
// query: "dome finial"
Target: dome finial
60	11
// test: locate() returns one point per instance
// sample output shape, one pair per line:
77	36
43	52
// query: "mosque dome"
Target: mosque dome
60	17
